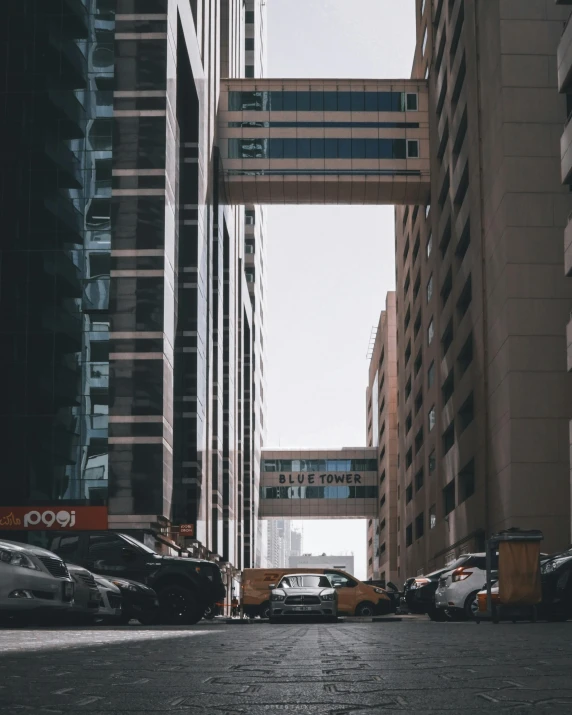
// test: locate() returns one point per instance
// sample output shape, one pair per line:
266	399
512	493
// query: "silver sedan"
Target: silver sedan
304	595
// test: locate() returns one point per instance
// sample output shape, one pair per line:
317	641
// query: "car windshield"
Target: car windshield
305	581
138	544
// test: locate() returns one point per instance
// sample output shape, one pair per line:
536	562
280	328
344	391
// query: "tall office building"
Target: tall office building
381	405
131	326
485	397
564	64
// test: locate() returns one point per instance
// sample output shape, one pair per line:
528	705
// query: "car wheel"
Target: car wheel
365	610
178	606
264	611
471	606
437	614
209	613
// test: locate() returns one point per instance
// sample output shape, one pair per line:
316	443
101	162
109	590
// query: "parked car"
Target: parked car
420	594
391	590
139	602
87	598
406	588
185	587
458	587
556	577
354	597
33	582
304	595
110	606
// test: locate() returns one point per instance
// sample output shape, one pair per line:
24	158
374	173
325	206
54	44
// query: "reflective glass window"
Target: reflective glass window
316	101
289	148
397	102
303	101
289	101
358	101
303	148
276	101
358	148
370	101
317	148
413	149
249	43
345	148
411	102
330	101
331	148
344	101
372	148
386	148
399	149
384	101
276	148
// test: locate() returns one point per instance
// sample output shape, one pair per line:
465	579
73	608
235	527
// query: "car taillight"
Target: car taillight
460	574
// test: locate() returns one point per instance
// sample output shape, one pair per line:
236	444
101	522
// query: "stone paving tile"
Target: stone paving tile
333	669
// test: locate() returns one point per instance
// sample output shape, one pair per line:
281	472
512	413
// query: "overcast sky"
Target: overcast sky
329	268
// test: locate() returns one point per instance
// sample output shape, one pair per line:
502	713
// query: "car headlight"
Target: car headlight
123	584
551	566
17	558
277	596
380	590
328	595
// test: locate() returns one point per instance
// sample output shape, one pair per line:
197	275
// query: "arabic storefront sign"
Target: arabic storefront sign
315	478
76	518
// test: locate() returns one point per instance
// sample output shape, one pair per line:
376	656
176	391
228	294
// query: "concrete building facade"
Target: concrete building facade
485	397
381	405
325	561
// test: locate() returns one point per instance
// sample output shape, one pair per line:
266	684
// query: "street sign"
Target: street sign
187	530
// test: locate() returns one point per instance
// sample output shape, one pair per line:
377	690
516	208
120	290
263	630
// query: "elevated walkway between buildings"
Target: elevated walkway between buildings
312	141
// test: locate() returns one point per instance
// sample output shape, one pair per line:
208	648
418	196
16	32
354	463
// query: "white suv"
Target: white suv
457	590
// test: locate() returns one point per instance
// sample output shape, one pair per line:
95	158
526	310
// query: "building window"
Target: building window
382	501
448	387
432	463
431	375
412	103
419	401
430	332
418	440
419	525
409	535
249	43
249	17
466	355
429	288
432	418
429	245
409	494
249	71
447	287
408	458
433	517
419	480
412	149
408	422
382	548
465	298
449	497
418	364
466	413
424	42
467	481
448	438
447	337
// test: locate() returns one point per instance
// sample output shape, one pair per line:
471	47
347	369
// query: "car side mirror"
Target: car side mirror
271	585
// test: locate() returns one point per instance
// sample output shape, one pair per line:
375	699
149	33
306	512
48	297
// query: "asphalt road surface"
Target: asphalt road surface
414	666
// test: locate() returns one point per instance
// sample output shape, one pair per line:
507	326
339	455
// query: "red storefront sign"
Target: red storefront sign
55	518
187	530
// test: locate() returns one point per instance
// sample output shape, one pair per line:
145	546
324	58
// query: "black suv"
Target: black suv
186	587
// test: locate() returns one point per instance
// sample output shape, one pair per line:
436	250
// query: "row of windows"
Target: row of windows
319	101
323	125
319	465
318	492
323	149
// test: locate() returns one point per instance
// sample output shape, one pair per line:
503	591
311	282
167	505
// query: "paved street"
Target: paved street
348	668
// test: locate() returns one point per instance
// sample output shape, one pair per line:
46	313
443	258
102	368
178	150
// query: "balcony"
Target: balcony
564	59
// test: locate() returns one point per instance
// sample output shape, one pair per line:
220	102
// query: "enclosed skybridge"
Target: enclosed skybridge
319	484
324	141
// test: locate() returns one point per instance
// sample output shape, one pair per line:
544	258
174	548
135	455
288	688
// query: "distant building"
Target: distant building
345	563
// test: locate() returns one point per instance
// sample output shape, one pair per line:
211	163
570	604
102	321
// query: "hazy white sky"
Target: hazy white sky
329	268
